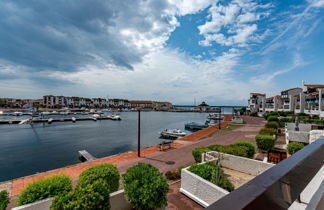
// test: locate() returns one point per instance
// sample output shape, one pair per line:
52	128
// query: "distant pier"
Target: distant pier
51	120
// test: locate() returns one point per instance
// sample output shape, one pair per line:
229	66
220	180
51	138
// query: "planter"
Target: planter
205	192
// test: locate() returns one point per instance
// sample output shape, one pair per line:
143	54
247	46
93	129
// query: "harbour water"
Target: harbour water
26	149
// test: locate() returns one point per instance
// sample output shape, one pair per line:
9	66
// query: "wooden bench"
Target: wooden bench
165	143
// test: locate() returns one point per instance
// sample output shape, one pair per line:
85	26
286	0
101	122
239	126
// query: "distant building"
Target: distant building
256	102
203	106
309	99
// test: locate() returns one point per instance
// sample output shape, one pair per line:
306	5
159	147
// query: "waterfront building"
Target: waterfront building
141	104
256	102
309	99
288	99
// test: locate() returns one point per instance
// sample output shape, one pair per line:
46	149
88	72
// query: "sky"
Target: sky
168	50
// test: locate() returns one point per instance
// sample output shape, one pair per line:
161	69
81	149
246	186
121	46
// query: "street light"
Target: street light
139	134
219	117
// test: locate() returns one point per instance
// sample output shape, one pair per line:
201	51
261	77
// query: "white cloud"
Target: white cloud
316	3
233	24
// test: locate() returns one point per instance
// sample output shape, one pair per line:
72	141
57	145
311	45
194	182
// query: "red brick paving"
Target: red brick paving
180	155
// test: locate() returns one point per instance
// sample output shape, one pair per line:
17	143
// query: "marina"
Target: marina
33	148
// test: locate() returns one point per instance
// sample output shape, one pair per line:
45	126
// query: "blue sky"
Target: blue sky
175	50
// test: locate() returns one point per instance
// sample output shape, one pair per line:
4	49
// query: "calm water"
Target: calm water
26	149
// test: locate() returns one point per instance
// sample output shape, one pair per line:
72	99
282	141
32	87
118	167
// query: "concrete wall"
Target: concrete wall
200	190
297	136
244	165
312	197
117	202
315	134
302	127
203	191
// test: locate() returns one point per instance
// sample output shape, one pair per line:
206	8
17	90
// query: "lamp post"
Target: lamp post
219	117
139	134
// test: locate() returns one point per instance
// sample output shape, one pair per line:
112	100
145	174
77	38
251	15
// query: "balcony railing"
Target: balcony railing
279	186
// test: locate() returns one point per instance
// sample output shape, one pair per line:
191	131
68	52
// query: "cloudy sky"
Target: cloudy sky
175	50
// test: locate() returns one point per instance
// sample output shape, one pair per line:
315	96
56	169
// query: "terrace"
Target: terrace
294	183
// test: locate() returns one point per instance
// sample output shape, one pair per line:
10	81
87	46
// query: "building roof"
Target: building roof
314	86
258	94
290	89
141	102
270	98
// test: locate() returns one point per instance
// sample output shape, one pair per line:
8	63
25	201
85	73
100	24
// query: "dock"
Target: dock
84	155
51	120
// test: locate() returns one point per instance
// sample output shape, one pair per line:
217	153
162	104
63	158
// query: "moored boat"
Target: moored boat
172	133
195	126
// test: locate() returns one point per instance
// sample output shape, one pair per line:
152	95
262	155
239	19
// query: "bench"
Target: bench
165	143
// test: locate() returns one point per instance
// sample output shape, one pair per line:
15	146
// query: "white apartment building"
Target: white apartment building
256	102
309	100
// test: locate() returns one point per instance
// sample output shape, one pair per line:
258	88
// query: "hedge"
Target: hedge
91	196
240	148
274	125
4	199
273	119
197	152
45	188
286	120
107	172
293	147
268	131
248	145
212	173
265	142
145	187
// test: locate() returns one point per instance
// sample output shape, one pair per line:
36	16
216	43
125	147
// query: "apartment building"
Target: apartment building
256	102
309	99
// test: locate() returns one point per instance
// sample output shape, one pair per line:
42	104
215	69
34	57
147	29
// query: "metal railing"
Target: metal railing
279	186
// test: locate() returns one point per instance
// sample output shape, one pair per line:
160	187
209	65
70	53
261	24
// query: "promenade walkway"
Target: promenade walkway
171	159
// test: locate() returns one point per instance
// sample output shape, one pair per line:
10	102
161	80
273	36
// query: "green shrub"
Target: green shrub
226	184
174	175
254	114
235	150
231	149
107	172
197	152
215	147
45	188
212	173
302	114
248	145
145	187
265	142
205	170
91	196
272	124
286	120
273	119
293	147
4	199
268	131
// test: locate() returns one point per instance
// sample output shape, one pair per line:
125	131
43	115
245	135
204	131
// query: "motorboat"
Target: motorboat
18	113
196	126
114	117
215	116
25	121
95	115
172	133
